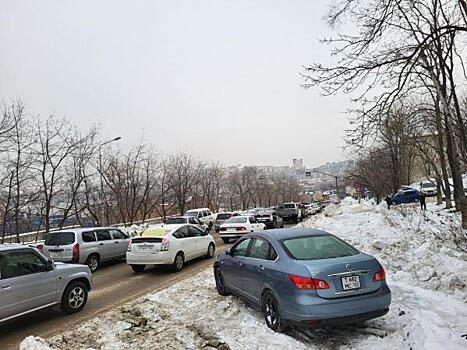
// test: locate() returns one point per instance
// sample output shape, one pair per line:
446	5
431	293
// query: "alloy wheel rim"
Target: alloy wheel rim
93	264
219	280
211	250
270	312
179	262
76	297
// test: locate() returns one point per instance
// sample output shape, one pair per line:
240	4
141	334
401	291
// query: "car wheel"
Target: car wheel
179	261
211	250
226	240
138	268
220	284
93	262
271	313
74	297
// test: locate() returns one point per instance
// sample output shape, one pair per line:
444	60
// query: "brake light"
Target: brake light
129	246
379	276
308	283
164	245
241	228
76	250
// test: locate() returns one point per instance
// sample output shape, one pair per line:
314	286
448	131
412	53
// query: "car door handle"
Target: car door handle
101	243
240	264
6	286
116	242
260	268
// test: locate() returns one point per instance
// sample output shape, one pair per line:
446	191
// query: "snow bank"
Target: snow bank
425	270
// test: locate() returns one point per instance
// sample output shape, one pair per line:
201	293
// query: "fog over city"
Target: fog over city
218	79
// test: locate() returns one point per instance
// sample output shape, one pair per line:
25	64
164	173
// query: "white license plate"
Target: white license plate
146	248
56	255
350	282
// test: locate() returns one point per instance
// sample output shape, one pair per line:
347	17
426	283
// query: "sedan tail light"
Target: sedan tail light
129	246
164	245
241	228
308	283
379	276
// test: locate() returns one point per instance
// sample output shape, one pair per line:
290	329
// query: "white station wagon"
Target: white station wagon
169	245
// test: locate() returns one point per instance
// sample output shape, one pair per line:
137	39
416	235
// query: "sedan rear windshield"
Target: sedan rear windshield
289	206
317	247
171	221
191	213
223	216
236	220
60	238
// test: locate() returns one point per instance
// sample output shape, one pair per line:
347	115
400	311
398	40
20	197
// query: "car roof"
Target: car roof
12	246
84	229
292	232
168	228
198	209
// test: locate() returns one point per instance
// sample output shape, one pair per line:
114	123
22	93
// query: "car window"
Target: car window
191	213
253	220
22	262
175	221
223	216
117	234
196	232
183	232
259	249
60	238
88	236
236	220
240	249
103	235
207	213
200	214
317	247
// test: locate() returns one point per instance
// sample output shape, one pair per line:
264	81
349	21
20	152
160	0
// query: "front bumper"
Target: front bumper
339	310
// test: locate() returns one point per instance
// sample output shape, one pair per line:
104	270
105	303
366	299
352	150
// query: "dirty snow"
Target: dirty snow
426	271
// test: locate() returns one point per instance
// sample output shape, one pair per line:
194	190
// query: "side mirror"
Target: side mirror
228	252
49	265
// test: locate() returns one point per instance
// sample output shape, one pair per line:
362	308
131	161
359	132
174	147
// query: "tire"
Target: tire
138	268
225	240
210	226
74	297
211	251
220	284
295	219
179	261
94	262
271	312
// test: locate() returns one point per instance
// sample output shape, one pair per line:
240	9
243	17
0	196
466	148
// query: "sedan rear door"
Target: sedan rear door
106	244
121	241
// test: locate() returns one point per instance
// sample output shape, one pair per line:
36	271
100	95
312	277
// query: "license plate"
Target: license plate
350	282
55	254
146	248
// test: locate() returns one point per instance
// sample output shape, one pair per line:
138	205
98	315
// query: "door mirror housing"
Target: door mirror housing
228	252
49	265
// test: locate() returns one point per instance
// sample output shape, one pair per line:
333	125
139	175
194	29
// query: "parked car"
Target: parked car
89	246
290	212
426	187
406	195
303	276
30	282
203	214
313	208
221	218
238	226
179	220
170	245
270	219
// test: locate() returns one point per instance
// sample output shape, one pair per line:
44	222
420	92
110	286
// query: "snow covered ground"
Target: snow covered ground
426	271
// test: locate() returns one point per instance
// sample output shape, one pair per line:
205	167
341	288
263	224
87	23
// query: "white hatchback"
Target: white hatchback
169	245
237	226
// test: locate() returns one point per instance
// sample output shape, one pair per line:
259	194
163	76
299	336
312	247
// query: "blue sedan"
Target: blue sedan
406	195
303	276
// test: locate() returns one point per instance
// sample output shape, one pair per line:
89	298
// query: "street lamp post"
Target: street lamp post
101	192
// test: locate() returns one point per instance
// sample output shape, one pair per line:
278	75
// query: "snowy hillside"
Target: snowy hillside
426	272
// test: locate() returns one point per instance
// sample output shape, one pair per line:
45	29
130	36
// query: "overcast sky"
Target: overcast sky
219	79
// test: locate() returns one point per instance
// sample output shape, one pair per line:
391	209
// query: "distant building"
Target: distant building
297	164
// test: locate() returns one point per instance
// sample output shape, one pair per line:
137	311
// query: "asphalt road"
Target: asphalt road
114	284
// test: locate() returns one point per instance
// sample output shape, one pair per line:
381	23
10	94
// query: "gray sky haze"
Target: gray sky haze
219	79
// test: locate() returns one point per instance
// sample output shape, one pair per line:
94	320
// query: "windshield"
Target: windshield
223	216
236	220
317	247
191	213
172	221
427	185
289	206
60	238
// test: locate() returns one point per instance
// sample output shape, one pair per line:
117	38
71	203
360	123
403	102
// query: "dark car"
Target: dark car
270	218
303	276
406	195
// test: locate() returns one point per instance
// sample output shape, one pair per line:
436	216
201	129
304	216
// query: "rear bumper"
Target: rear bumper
161	258
340	310
358	318
231	235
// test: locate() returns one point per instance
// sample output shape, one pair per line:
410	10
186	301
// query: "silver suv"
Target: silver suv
29	282
89	246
